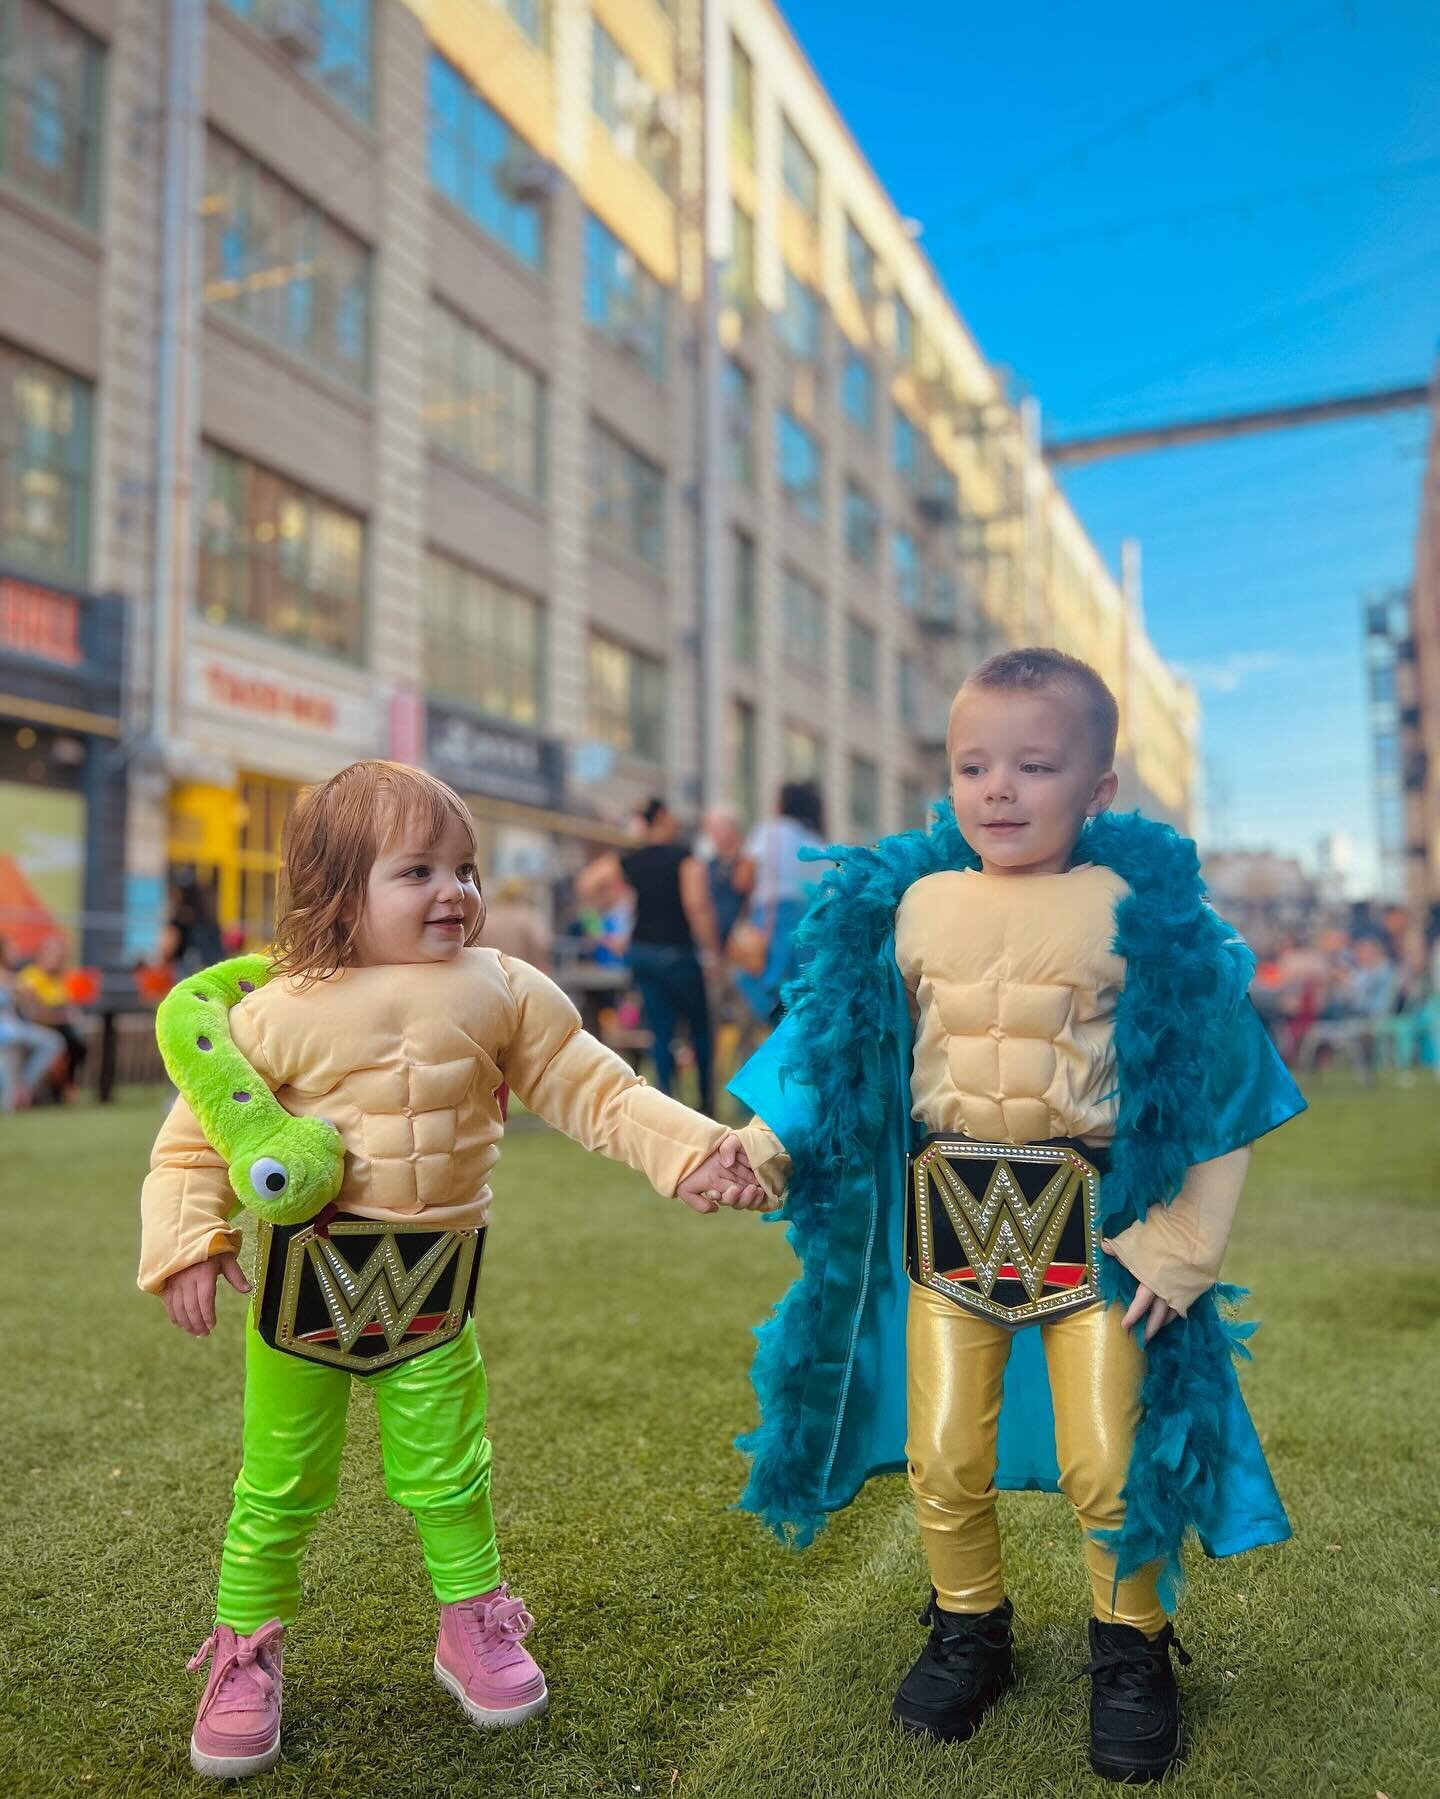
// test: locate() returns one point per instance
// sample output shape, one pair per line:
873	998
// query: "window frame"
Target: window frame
472	351
510	668
79	116
807	499
627	305
68	474
455	162
265	574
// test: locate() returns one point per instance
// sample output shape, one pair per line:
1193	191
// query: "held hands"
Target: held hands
190	1294
724	1178
1147	1300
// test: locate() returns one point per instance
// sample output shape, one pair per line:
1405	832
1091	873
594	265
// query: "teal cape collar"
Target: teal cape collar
1197	1077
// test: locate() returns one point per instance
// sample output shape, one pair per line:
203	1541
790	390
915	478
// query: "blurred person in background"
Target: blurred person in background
674	927
191	939
515	925
780	887
42	993
26	1049
731	872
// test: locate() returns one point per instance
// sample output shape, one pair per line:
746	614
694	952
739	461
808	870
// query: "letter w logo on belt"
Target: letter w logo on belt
1012	1236
361	1294
383	1292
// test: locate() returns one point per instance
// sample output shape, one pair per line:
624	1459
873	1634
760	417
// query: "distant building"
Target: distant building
1265	895
1393	694
543	390
1423	769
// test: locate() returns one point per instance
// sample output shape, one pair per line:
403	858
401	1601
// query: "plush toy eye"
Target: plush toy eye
269	1177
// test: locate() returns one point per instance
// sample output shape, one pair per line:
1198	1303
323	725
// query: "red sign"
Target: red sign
36	621
268	699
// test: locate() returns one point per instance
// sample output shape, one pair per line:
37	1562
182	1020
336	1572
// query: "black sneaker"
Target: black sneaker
1134	1702
963	1669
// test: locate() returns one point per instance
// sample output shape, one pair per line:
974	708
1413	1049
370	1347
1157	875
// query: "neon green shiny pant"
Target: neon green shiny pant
437	1465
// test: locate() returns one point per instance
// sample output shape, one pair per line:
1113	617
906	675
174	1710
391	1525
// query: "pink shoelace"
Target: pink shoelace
240	1679
497	1625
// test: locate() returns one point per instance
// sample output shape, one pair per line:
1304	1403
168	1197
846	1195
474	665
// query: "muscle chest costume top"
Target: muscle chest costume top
406	1061
1014	980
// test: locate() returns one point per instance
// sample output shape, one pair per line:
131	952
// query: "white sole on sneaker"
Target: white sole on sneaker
234	1767
481	1715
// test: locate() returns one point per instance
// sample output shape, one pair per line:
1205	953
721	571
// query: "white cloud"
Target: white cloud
1233	671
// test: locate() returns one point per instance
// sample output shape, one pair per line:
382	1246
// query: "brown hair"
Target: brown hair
328	847
1035	668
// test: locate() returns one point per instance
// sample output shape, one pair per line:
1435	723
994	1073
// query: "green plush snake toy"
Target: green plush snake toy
284	1168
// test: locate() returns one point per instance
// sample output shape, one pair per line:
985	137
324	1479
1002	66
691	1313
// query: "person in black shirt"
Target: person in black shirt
674	927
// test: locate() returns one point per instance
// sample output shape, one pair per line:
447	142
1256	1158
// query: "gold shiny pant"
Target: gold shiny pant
956	1368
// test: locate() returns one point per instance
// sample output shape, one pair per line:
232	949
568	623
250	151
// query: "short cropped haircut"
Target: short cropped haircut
1031	670
330	842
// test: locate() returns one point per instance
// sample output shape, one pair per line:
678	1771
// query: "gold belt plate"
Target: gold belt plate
1009	1241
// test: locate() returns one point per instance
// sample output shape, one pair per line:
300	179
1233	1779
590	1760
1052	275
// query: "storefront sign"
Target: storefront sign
264	698
476	756
37	621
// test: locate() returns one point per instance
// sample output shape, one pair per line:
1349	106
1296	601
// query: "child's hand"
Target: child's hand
724	1178
1147	1300
190	1294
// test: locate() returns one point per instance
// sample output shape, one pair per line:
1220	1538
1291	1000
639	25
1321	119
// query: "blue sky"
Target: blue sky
1257	553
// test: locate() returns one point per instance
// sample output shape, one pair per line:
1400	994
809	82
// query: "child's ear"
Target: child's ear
1103	797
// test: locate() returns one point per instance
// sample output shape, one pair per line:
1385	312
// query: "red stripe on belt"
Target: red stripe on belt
418	1327
1058	1274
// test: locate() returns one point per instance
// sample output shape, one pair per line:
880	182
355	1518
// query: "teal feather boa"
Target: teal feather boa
1185	973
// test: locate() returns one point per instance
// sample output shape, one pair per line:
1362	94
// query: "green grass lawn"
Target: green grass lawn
688	1653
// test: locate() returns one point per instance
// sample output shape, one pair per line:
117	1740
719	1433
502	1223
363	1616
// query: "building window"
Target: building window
277	559
857	392
627	498
914	806
802	614
800	319
50	107
480	165
484	643
904	333
330	40
623	301
627	700
862	525
799	172
44	467
864	798
906	561
804	754
282	267
802	466
533	18
745	762
739	393
860	266
862	656
907	689
483	404
743	608
740	269
742	104
625	105
905	450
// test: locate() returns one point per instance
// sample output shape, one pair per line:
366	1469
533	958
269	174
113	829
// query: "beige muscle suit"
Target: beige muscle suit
406	1060
1013	984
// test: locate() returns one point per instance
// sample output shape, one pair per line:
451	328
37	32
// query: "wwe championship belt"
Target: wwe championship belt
1009	1232
363	1295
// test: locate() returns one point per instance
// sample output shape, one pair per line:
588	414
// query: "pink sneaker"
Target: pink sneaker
482	1661
237	1728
